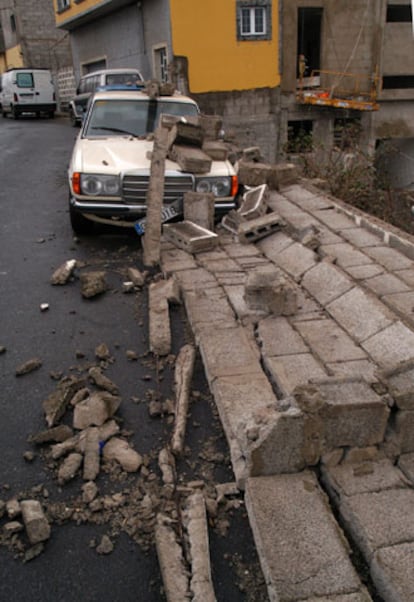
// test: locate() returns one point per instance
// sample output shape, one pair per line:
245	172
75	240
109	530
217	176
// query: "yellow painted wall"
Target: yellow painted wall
205	31
12	58
74	10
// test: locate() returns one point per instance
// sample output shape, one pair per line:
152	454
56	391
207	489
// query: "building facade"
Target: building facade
29	38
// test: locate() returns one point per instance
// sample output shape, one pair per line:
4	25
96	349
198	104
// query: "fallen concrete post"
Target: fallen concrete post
152	237
195	521
171	560
159	319
183	374
166	463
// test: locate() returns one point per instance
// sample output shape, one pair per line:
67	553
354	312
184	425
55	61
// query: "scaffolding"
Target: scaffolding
339	90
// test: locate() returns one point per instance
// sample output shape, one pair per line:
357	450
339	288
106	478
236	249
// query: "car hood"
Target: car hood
115	155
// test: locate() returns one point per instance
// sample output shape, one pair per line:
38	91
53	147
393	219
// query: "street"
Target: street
64	334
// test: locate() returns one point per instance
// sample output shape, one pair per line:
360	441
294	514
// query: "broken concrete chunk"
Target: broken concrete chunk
254	202
183	374
35	521
120	450
91	461
269	291
186	133
56	434
199	208
89	492
166	463
190	159
108	430
102	381
106	546
216	150
55	405
29	366
400	383
171	561
102	352
69	467
13	527
63	272
137	277
95	410
13	508
159	319
61	449
92	284
259	227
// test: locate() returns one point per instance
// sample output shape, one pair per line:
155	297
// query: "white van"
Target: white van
27	90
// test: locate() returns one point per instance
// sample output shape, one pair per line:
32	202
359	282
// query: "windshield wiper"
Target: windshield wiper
118	130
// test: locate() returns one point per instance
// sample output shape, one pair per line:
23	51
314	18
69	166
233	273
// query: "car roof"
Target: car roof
138	95
112	72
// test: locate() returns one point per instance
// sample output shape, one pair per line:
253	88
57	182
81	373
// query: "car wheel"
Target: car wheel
51	114
79	223
15	113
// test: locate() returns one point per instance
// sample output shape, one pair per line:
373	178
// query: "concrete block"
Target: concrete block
254	174
400	383
286	174
190	159
259	227
334	219
301	548
254	202
296	260
329	342
208	309
390	346
277	337
190	237
389	258
199	208
159	320
269	291
287	372
216	150
353	414
345	254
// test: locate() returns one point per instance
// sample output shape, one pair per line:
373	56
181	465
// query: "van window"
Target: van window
24	80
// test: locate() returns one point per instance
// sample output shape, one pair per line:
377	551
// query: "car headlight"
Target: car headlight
220	186
99	185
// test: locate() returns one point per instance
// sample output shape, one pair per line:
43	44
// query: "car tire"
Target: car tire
15	113
79	223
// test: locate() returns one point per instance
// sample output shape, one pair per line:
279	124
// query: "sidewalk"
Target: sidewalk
317	402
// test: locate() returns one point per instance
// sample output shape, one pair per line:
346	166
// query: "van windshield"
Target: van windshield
135	117
24	80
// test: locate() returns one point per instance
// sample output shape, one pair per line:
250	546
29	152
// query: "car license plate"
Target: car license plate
167	213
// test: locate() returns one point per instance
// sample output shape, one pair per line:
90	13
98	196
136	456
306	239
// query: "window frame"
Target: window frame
252	5
62	5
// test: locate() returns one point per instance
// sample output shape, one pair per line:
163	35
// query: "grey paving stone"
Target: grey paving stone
307	199
361	272
197	278
358	368
292	215
231	278
392	345
236	298
389	258
208	308
277	337
334	219
345	254
326	282
385	284
225	264
351	479
402	304
361	238
327	237
174	260
292	370
407	275
392	572
252	262
274	244
300	545
379	519
360	314
236	250
228	352
295	260
404	430
329	342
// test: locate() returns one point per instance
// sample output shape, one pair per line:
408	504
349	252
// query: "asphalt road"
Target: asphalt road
35	239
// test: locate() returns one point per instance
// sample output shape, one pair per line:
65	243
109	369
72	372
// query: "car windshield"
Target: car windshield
136	117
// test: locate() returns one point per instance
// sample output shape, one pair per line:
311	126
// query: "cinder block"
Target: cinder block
254	202
258	228
190	237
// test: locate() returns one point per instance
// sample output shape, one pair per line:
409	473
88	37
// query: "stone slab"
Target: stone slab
392	345
379	519
306	199
175	260
404	429
237	250
277	337
301	548
329	342
361	272
407	275
208	309
229	352
360	315
406	464
222	264
386	284
345	255
334	219
361	596
358	368
361	238
392	572
236	296
402	304
199	278
292	370
349	479
274	244
389	258
326	282
295	260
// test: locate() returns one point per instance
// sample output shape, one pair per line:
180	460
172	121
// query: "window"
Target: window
399	13
13	23
397	82
62	5
309	39
300	136
346	133
253	20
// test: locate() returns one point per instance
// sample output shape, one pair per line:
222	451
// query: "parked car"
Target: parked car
26	90
110	165
90	82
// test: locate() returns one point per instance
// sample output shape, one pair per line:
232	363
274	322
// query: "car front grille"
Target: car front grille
135	187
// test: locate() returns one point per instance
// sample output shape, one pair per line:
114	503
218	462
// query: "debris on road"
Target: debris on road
29	366
44	307
182	381
35	522
92	284
63	272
